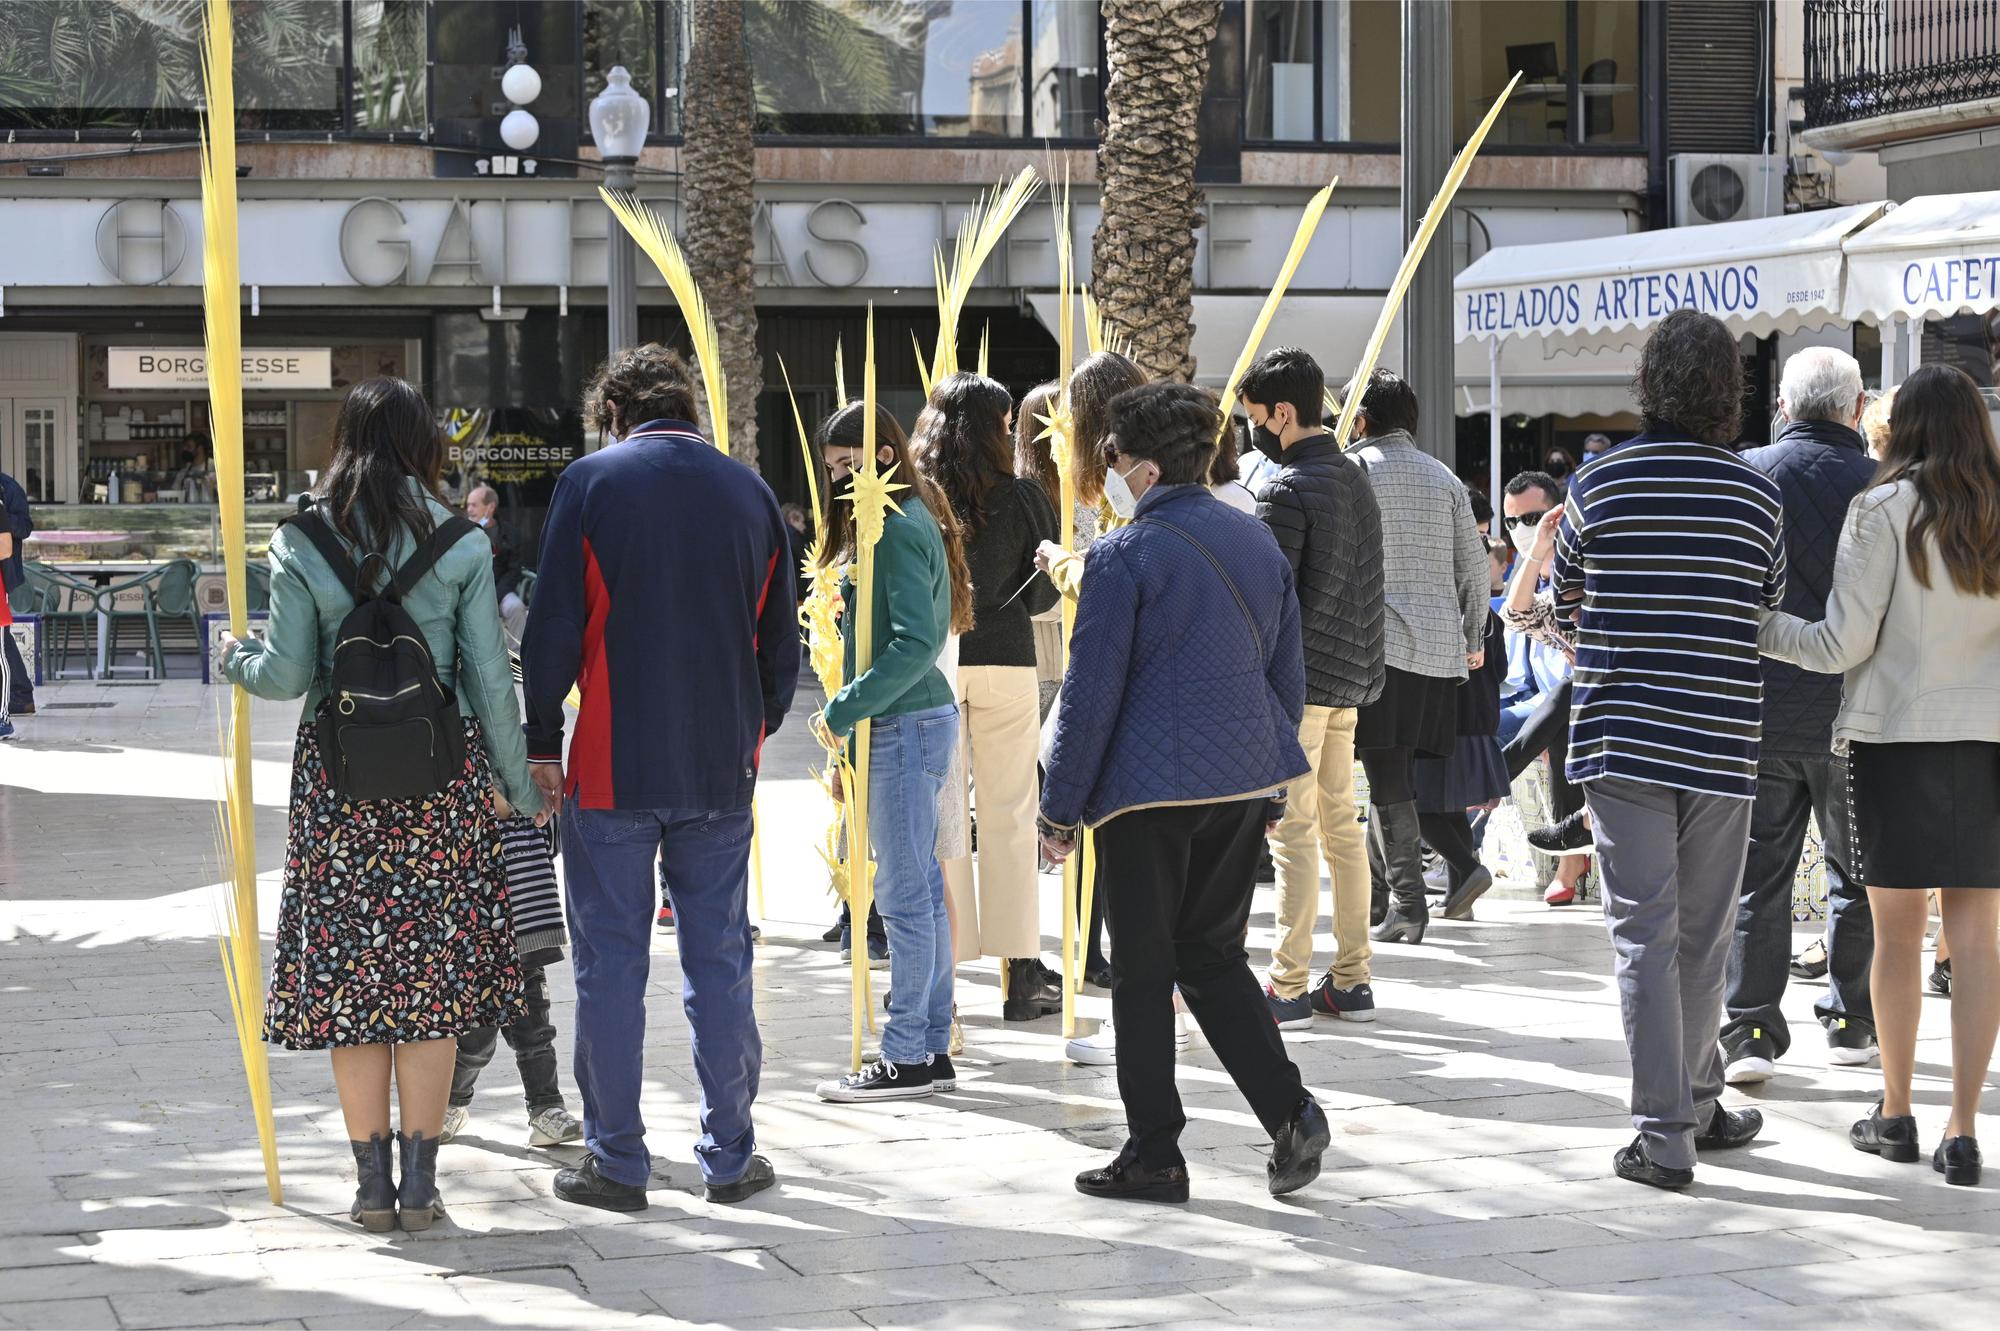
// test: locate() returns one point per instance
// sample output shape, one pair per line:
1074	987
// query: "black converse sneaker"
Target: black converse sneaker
880	1080
944	1077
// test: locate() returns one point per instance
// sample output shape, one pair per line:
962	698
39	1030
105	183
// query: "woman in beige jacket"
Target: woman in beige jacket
1914	621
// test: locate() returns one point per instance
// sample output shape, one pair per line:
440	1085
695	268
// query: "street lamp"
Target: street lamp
618	121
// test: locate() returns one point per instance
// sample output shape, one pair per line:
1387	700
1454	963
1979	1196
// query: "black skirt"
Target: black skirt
1926	815
1414	712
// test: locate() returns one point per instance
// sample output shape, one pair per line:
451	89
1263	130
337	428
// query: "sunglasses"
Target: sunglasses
1528	519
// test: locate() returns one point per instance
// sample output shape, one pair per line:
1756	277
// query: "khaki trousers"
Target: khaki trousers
1320	812
999	912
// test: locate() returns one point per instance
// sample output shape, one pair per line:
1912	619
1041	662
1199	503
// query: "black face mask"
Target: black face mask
1270	445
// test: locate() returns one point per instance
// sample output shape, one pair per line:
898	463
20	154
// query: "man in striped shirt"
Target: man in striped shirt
1669	547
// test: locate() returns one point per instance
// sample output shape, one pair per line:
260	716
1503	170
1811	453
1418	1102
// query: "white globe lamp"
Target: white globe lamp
519	130
619	117
521	84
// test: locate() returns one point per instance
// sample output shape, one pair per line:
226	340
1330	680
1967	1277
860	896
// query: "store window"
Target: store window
1326	71
1579	62
641	35
851	67
1063	97
391	58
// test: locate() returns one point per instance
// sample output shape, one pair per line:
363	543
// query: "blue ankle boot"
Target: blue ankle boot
374	1206
418	1197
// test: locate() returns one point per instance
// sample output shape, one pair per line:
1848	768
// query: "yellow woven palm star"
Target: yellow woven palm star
1059	427
870	492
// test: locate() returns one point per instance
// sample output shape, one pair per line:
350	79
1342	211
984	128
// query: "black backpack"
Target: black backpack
388	729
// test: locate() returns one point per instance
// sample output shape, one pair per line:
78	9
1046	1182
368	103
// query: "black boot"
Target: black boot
1378	870
1030	993
417	1198
374	1206
1403	860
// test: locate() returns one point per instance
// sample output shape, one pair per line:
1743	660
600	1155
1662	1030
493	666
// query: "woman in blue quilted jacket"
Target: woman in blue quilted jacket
1176	734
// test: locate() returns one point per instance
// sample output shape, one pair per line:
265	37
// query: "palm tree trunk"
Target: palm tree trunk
1142	260
718	160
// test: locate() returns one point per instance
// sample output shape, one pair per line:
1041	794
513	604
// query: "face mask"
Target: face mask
1268	440
1116	489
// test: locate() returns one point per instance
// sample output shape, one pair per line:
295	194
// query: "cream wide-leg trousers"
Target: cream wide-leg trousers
998	907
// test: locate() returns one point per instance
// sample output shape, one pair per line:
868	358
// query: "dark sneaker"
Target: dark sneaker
1940	980
878	950
1729	1128
1356	1004
1129	1181
1849	1043
1571	836
1458	903
1811	963
1635	1166
585	1186
1957	1158
1291	1014
664	921
1893	1138
1295	1155
836	930
1749	1058
944	1077
753	1180
880	1080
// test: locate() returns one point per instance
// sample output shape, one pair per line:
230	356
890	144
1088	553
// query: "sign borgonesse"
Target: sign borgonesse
187	367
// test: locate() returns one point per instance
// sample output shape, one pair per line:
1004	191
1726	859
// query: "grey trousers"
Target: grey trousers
1672	863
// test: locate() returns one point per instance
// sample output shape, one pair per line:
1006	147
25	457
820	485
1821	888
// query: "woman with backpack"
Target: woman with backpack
394	935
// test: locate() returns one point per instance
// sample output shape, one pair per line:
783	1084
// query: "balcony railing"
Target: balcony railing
1868	58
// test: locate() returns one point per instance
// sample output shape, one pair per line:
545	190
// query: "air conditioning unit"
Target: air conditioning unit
1725	187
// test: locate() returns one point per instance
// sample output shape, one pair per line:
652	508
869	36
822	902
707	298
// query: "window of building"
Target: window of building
1579	62
1064	95
390	54
644	36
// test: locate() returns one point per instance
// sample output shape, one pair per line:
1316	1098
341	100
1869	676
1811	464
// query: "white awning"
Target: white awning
1933	256
1334	328
1775	274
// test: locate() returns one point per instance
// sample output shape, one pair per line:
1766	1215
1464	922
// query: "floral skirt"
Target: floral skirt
395	924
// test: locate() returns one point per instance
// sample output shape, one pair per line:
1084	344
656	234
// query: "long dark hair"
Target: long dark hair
1033	460
961	442
843	429
1941	441
384	438
1092	385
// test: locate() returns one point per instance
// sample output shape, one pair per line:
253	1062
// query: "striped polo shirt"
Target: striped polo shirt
1674	548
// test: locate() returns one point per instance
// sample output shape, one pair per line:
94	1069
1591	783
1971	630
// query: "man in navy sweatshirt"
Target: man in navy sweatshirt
664	591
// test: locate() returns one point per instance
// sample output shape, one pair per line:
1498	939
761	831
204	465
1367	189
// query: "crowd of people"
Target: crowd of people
1256	615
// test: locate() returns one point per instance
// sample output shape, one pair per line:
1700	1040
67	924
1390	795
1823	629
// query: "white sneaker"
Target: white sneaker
454	1123
1100	1050
554	1127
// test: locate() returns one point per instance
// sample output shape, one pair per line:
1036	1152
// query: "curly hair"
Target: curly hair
648	383
843	429
1032	459
1092	385
1690	380
1875	420
1170	425
1941	441
961	442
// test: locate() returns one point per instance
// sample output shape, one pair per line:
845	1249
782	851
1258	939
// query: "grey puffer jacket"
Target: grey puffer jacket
1322	511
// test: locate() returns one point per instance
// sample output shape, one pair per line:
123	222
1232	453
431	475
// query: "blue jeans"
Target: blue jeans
908	757
608	869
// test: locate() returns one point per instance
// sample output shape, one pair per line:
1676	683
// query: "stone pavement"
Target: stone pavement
1468	1183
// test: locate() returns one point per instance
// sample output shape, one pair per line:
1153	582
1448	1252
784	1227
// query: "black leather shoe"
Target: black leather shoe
1031	993
1729	1128
1634	1165
1957	1158
1129	1181
754	1180
1403	924
1893	1138
585	1186
1296	1153
1458	902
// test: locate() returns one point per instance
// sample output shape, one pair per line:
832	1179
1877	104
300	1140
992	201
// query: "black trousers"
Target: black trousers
532	1037
1450	835
1093	928
1547	731
1178	882
20	680
1760	954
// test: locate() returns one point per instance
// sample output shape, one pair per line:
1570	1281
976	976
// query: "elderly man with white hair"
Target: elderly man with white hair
1820	462
482	505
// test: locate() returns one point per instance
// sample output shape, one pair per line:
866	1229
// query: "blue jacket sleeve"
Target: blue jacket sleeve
1093	689
908	635
1286	670
778	627
282	664
552	645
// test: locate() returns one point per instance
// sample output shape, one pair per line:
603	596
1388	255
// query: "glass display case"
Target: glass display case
77	536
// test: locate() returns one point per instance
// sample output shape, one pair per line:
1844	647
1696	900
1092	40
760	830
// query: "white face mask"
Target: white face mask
1116	489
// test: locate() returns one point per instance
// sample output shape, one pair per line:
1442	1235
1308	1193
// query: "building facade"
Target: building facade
386	228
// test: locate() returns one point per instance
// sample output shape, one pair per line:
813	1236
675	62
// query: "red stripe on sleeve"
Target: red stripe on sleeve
590	780
756	636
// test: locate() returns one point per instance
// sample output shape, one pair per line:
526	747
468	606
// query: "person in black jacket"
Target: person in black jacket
1820	463
483	507
1321	510
20	684
964	442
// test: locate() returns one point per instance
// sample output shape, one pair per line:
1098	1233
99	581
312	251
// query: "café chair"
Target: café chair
66	605
165	595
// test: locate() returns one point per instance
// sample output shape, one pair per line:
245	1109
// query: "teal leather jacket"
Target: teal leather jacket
454	604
